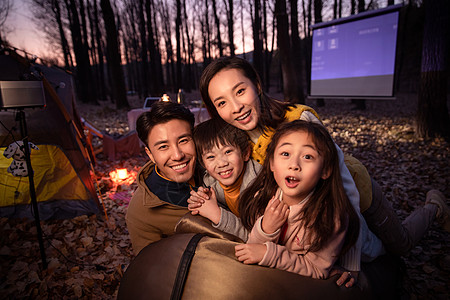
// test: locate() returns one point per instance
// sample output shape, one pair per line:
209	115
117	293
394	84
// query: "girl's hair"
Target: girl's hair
216	131
328	204
272	111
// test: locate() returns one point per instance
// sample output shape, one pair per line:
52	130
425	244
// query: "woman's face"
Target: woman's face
235	98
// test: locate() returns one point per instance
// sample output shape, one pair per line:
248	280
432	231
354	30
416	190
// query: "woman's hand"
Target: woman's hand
275	215
250	253
350	278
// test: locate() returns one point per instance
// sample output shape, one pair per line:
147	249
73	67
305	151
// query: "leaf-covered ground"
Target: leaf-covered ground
88	255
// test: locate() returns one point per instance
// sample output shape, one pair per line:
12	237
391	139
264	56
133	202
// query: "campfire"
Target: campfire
122	177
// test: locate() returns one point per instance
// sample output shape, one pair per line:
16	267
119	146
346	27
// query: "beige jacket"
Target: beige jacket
148	218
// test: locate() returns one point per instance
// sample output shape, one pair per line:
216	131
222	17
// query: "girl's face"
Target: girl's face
297	166
235	98
225	163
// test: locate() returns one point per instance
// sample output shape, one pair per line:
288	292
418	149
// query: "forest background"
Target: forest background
121	51
151	47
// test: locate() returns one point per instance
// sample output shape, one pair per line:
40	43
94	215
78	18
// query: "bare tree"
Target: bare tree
113	54
64	44
242	27
257	41
178	39
155	59
83	72
5	7
229	7
217	22
167	35
292	92
296	51
102	93
433	118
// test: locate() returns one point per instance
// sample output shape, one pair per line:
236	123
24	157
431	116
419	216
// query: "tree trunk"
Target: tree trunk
208	32
84	76
179	83
191	84
217	21
230	21
242	28
64	44
144	56
267	54
296	52
257	42
433	118
155	76
114	58
101	66
290	89
317	19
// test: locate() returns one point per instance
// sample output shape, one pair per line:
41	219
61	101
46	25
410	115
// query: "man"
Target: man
165	182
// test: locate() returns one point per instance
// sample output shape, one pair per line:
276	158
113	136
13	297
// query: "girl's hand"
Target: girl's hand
197	199
349	278
275	215
250	253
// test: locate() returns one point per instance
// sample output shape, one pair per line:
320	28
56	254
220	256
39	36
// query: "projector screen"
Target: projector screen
355	57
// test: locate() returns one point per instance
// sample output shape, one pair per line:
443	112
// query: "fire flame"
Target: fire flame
122	176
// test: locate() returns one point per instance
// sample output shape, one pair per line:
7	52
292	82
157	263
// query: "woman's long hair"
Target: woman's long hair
327	208
271	111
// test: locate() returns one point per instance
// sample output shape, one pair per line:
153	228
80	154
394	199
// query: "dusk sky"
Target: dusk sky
22	32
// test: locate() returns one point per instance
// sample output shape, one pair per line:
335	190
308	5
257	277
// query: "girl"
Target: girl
232	90
308	221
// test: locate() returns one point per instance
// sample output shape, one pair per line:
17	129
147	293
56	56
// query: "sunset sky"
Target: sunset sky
22	33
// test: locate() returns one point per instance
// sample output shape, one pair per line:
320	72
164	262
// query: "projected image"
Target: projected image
356	58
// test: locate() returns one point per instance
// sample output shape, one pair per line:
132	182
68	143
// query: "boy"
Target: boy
224	151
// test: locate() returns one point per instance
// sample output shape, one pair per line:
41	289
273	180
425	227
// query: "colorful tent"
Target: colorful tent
62	165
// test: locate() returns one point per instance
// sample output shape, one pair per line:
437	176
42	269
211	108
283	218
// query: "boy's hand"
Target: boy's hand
204	202
275	215
197	199
250	253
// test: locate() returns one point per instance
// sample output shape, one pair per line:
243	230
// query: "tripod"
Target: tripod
23	130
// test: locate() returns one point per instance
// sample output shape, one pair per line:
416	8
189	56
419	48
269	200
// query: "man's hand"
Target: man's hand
250	253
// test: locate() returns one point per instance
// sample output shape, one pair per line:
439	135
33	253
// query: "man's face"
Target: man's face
172	149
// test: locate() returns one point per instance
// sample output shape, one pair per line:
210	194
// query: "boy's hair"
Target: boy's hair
329	202
215	132
162	112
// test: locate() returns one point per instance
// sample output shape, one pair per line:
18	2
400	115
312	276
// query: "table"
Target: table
201	115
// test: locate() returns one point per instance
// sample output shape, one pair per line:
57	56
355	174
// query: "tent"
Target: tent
62	165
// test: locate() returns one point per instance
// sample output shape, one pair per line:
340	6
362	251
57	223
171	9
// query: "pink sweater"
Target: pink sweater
292	253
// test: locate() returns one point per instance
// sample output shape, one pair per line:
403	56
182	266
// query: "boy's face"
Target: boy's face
172	149
225	163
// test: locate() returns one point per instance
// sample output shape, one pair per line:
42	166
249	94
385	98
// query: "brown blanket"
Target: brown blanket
215	273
